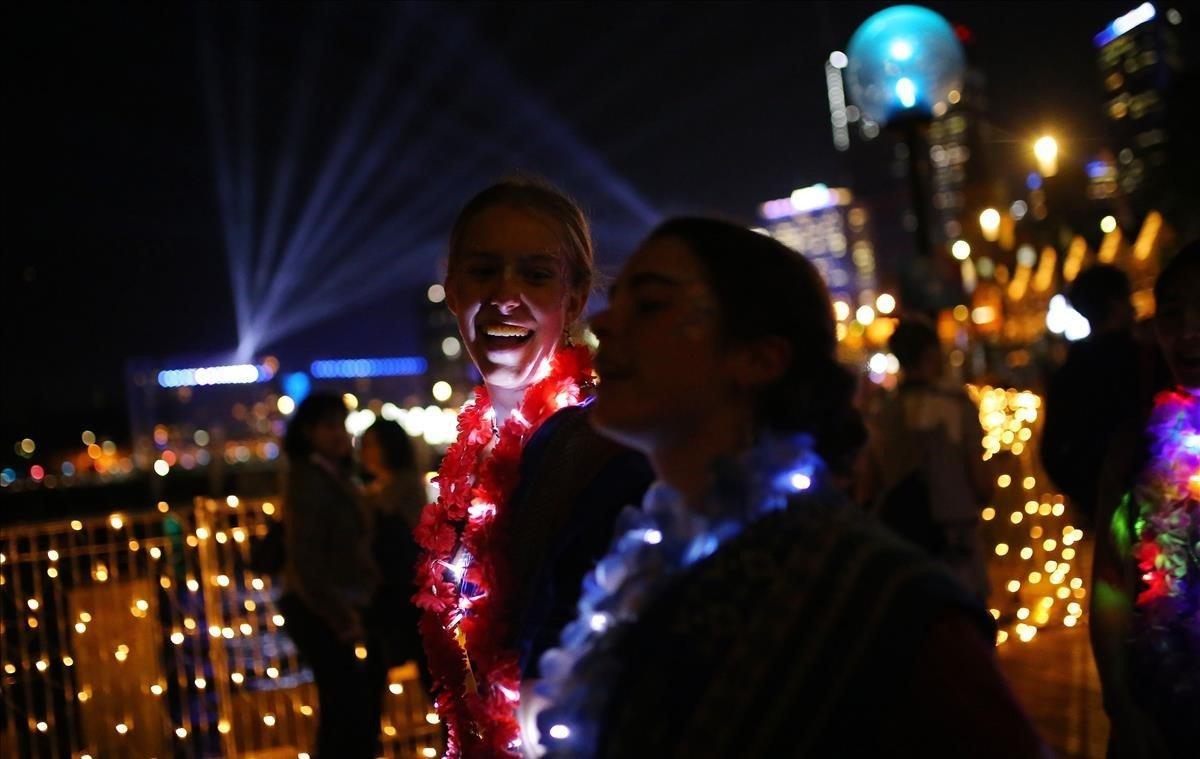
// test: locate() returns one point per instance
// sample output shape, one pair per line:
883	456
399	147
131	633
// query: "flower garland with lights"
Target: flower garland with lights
462	582
652	547
1166	496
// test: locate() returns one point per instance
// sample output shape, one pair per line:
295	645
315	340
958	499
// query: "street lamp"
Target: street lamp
989	224
905	65
1046	152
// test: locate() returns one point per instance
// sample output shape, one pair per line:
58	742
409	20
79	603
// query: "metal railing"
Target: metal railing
150	635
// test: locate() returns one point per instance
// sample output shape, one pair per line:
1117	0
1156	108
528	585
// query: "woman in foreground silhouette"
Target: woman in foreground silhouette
747	609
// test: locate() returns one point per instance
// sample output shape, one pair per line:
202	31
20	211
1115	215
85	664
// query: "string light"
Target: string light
86	556
1009	419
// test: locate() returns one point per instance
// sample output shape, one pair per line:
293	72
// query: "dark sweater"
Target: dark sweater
814	634
573	484
327	529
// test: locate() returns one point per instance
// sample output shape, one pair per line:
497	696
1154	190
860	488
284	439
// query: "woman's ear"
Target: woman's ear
575	302
761	362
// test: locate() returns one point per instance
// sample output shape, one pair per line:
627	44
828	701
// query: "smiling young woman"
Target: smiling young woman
527	493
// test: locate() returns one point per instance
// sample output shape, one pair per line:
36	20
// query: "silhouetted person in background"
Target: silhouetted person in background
396	496
330	578
1095	390
924	472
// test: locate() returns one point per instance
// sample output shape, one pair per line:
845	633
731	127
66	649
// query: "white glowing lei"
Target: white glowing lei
652	546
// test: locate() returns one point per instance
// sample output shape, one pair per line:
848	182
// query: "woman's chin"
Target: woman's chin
506	378
513	369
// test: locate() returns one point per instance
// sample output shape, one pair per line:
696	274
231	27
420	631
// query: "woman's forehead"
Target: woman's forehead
505	230
663	255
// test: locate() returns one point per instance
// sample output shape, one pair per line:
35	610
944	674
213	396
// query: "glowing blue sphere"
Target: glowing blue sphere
904	63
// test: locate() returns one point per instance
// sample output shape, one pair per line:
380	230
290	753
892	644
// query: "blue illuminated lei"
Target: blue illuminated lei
652	546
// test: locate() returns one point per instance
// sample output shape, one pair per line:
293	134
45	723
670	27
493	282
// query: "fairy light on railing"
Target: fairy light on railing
113	650
1033	545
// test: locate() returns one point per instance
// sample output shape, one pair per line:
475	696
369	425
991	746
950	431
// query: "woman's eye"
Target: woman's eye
482	272
539	275
648	306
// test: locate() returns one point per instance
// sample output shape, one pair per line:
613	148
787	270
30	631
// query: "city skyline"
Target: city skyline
120	155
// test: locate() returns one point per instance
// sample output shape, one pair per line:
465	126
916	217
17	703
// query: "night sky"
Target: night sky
113	244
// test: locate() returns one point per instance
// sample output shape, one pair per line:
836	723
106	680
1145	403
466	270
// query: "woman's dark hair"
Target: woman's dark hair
312	411
766	289
1188	256
539	196
913	338
394	444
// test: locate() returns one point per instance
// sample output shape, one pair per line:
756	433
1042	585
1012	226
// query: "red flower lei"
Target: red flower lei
476	678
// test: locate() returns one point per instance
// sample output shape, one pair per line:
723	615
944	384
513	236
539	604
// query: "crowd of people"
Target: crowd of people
696	545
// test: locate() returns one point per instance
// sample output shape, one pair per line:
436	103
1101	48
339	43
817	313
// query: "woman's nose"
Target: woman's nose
507	294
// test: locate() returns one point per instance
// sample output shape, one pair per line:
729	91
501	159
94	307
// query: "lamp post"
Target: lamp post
989	224
1046	152
903	64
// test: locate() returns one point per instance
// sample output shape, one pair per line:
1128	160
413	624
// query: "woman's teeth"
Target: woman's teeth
506	330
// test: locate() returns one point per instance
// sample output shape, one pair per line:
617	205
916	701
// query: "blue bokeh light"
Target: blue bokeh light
352	368
904	61
297	385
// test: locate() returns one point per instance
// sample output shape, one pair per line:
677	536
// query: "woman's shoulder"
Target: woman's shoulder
568	440
310	481
808	600
566	423
827	542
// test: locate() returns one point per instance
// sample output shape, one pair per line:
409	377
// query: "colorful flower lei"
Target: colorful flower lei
1166	494
652	547
461	578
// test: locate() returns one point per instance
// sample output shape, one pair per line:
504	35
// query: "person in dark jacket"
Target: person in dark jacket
330	578
1096	389
395	496
1145	600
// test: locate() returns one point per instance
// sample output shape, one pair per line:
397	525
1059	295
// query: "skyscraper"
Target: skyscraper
1140	64
832	231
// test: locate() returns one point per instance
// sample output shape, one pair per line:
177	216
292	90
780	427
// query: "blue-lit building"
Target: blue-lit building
831	231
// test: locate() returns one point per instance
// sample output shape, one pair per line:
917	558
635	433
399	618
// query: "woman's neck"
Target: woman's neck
687	460
504	401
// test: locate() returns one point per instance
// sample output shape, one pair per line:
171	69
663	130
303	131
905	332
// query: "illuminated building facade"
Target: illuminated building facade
833	232
442	343
1102	177
1140	63
956	160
